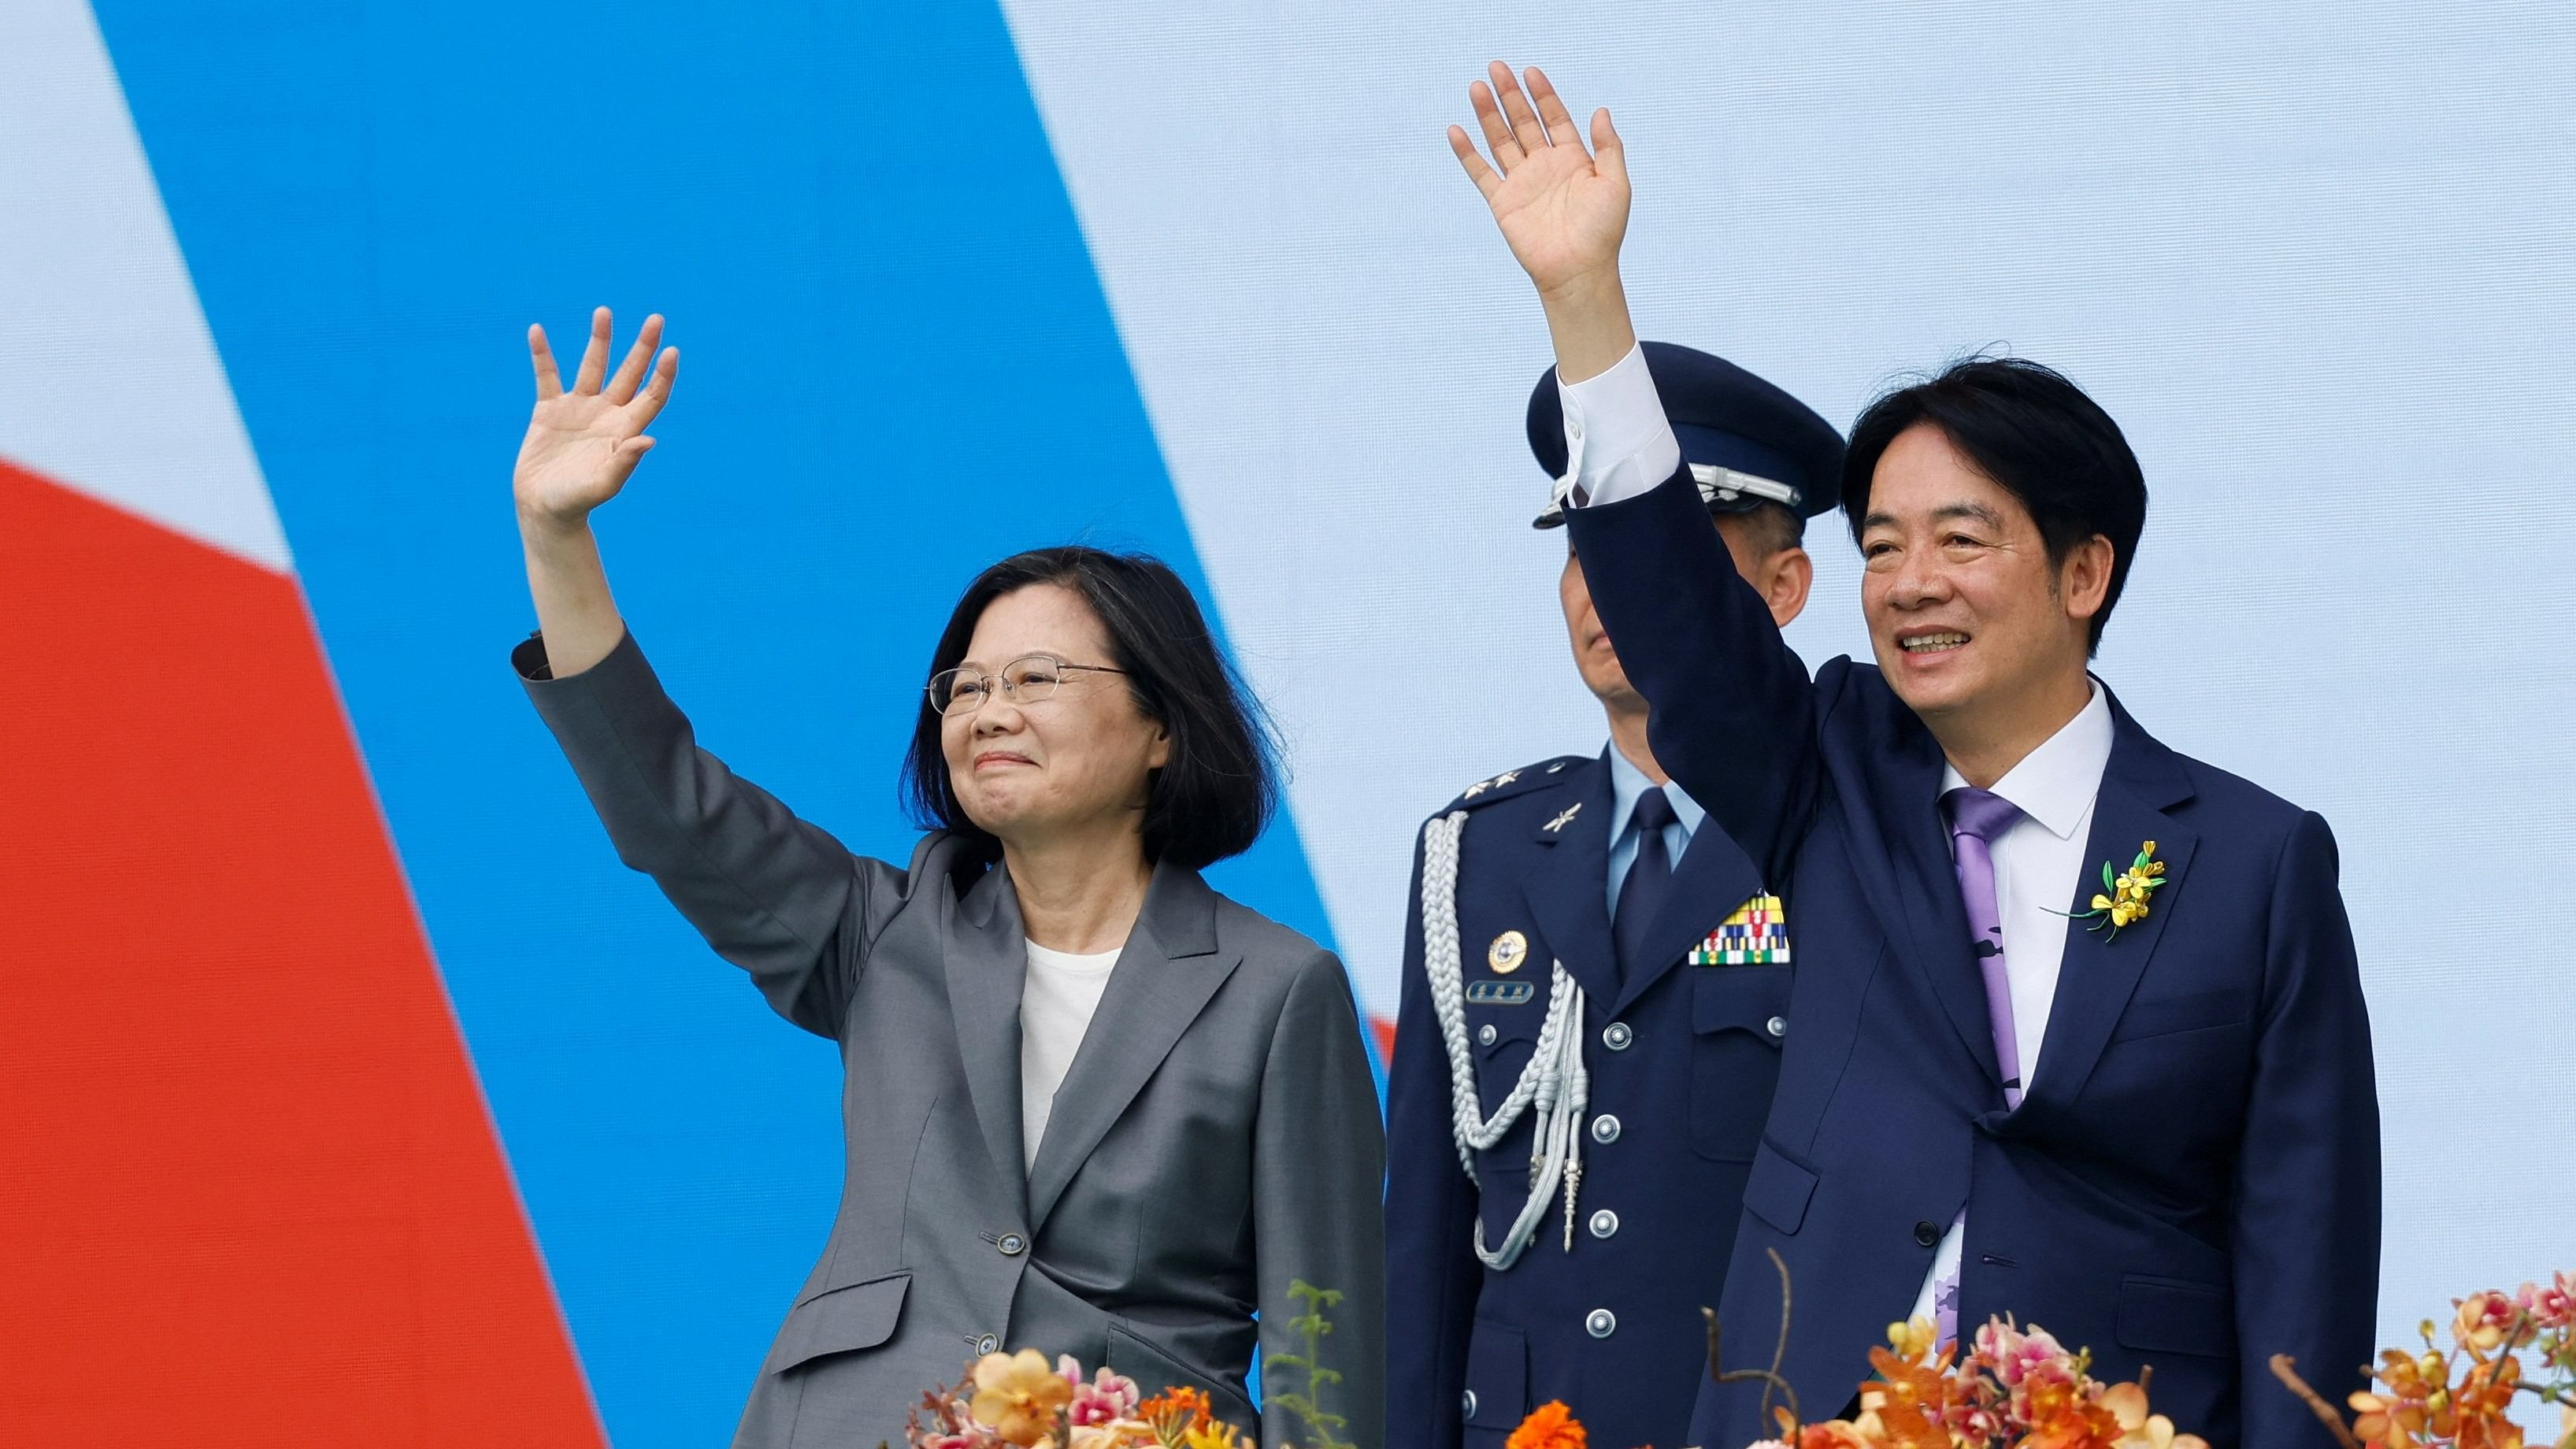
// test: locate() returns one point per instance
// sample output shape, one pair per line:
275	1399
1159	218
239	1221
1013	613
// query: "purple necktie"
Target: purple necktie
1977	817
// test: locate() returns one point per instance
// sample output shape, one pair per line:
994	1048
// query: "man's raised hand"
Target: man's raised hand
582	444
1562	208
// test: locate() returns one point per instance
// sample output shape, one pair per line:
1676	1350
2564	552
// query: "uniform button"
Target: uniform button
1601	1323
1616	1036
1012	1245
1604	1223
1485	1034
1927	1234
1467	1403
989	1343
1777	1026
1574	428
1605	1129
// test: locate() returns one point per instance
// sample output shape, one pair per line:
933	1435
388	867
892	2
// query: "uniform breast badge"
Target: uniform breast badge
1756	935
1507	953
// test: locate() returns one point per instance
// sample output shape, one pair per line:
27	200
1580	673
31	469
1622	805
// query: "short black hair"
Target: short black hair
1220	785
1770	527
2036	436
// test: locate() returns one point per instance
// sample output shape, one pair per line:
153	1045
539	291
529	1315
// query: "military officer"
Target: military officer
1596	986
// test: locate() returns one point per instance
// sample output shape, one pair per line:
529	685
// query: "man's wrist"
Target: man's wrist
1587	320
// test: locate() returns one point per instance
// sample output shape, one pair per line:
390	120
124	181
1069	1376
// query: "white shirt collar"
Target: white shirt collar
1627	782
2055	784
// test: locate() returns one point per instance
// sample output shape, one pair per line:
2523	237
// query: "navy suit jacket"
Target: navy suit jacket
1684	1100
2192	1179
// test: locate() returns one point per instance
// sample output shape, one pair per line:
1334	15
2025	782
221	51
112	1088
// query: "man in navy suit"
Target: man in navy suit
1595	990
2080	1036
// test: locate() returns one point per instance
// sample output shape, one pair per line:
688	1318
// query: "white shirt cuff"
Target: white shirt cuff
1618	443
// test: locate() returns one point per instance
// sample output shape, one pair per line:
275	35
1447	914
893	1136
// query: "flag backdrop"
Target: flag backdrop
351	1093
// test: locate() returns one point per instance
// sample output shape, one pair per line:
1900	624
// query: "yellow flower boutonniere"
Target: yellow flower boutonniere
2123	899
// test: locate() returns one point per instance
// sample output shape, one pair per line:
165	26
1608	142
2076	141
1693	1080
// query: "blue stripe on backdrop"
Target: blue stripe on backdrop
898	367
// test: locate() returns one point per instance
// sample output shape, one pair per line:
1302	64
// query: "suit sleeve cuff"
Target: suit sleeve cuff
1618	442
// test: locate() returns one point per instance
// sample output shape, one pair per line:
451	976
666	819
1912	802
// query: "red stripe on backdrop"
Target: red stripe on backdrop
248	1190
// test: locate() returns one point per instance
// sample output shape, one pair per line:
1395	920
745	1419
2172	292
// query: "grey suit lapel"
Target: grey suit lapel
987	961
1163	979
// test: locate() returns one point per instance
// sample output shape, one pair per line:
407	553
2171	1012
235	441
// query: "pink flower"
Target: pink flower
1107	1399
2551	1304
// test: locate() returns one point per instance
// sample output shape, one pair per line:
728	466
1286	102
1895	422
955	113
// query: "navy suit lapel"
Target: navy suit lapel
1915	890
1567	889
2097	974
1714	878
987	963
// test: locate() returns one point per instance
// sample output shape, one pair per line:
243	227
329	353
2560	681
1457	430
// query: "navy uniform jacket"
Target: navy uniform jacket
2192	1179
1668	1136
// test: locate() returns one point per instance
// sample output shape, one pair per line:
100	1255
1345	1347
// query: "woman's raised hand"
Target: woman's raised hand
582	444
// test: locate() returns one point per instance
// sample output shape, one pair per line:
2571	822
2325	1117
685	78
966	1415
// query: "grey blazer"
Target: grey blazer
1216	1137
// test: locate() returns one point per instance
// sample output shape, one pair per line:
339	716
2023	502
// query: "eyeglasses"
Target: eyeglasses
1025	680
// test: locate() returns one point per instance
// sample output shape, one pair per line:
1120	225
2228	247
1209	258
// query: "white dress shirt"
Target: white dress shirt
1619	445
1627	782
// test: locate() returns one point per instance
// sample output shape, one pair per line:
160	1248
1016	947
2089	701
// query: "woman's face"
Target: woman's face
1072	764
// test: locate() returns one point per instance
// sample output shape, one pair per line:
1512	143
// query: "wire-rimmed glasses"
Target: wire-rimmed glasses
1025	680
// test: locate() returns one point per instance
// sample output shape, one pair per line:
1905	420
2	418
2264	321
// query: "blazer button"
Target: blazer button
1605	1129
1616	1036
1485	1034
1928	1235
1601	1323
1604	1223
1777	1026
1467	1403
1012	1245
989	1343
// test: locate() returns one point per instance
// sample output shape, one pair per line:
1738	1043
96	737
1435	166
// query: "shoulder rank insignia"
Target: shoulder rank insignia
1756	935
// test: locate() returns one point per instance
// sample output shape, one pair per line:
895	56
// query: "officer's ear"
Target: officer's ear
1787	576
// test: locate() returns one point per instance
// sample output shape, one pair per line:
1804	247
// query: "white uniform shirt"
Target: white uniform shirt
1619	445
1056	1003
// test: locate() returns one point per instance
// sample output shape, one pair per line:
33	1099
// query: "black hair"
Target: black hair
1219	786
1772	527
2033	434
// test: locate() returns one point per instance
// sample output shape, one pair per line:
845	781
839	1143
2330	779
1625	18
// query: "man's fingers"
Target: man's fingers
1551	110
594	358
658	390
630	372
1477	171
542	358
1498	132
1516	109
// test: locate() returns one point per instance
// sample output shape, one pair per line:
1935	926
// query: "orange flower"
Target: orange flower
1550	1426
2484	1320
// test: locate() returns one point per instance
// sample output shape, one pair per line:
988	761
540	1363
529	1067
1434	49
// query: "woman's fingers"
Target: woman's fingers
542	357
594	358
1498	132
630	372
1477	171
657	391
1551	110
1516	109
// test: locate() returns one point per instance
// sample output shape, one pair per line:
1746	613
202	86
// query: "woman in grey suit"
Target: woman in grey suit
1092	1106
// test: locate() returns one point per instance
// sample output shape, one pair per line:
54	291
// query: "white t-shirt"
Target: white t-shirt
1056	1003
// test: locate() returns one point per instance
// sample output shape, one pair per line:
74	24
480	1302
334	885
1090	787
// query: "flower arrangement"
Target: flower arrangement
1021	1401
2461	1399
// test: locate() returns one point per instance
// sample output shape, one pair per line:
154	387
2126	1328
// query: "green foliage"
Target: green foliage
1312	1326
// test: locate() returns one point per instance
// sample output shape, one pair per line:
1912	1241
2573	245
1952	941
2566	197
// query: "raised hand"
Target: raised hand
582	445
1563	210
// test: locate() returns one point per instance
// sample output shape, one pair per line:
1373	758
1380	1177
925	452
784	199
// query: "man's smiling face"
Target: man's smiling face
1966	611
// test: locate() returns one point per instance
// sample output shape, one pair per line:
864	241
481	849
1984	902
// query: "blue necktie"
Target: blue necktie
1650	880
